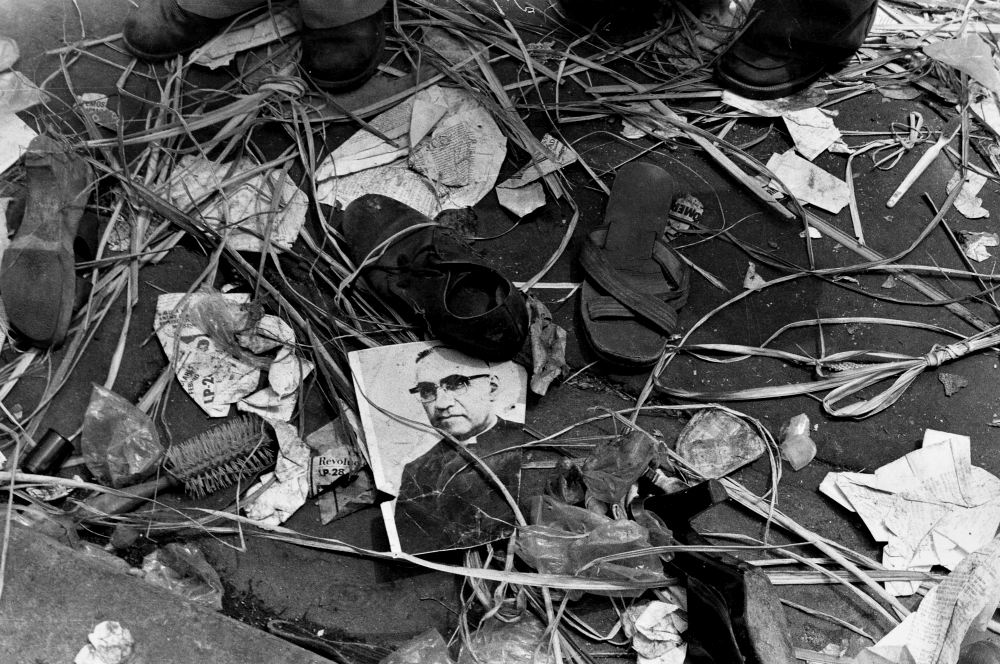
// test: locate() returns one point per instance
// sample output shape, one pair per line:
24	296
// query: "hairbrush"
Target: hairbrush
222	456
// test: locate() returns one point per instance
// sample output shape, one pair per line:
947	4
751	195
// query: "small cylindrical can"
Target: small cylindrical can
48	455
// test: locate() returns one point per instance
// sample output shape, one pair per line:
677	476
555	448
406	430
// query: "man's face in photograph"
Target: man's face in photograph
457	395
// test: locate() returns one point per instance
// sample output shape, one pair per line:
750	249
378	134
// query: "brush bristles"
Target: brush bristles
221	456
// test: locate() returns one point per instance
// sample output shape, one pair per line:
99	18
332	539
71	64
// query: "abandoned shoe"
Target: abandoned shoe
345	56
161	29
464	303
754	74
38	271
635	281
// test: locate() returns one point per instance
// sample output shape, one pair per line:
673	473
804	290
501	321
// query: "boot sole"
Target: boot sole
765	92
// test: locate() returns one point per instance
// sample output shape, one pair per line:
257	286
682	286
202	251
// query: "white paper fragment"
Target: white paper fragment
813	233
930	507
429	194
889	282
775	108
212	377
244	212
809	183
287	372
964	601
9	53
752	280
426	114
96	106
812	130
561	155
974	244
522	201
15	136
110	643
220	51
967	202
18	93
288	492
655	629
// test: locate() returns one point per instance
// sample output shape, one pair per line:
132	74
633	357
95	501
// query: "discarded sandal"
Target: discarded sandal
38	271
635	281
464	303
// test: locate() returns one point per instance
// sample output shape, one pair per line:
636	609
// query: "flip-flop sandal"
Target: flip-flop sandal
463	302
38	271
635	281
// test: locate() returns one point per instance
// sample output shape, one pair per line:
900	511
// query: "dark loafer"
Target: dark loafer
160	29
464	303
755	74
346	56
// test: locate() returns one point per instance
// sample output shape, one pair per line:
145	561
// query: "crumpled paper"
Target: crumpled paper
242	215
281	498
655	629
110	643
207	353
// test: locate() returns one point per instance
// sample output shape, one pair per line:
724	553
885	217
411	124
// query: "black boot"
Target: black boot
346	56
160	29
791	43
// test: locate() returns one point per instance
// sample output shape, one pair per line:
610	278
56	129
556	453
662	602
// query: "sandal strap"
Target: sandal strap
647	307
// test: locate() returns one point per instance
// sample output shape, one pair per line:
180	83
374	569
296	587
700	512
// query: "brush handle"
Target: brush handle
109	503
917	171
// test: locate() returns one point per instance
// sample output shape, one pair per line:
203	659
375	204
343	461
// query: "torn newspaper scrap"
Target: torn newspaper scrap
214	377
271	27
934	633
809	183
454	164
931	507
560	155
245	211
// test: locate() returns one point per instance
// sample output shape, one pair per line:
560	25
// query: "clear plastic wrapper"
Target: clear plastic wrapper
616	464
427	648
182	569
120	443
521	642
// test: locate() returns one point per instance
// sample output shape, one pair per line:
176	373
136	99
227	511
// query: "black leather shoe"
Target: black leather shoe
346	56
755	74
462	302
160	29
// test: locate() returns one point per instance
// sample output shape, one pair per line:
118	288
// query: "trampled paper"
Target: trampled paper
454	165
809	183
220	51
930	507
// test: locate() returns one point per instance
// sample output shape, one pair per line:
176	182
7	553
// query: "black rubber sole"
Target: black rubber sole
765	92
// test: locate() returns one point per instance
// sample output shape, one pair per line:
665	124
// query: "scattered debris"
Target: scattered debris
96	106
952	383
656	630
715	443
120	443
931	507
809	183
110	643
812	130
752	280
272	26
797	447
967	202
974	244
183	570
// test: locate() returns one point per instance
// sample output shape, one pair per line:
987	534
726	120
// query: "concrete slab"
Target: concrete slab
53	597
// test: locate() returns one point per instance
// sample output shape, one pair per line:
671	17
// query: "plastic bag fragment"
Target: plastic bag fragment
182	569
616	464
716	443
427	648
120	443
520	642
